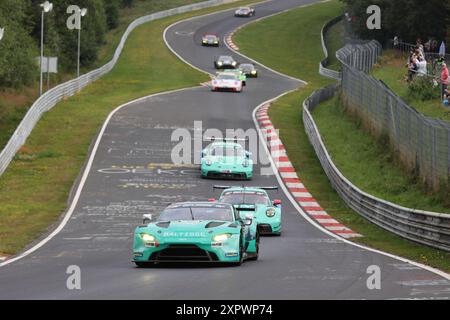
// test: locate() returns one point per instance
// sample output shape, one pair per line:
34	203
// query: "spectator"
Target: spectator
412	65
419	47
421	64
446	98
444	79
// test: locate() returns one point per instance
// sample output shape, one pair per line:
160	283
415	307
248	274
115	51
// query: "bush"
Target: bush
112	8
423	88
17	48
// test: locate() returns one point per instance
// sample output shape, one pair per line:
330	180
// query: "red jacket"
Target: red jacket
444	76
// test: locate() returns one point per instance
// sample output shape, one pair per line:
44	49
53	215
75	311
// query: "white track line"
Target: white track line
310	220
74	203
258	20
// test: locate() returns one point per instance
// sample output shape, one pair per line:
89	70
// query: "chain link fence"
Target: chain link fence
49	99
421	143
385	112
429	228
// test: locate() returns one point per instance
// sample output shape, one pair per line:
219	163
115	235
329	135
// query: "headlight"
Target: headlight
246	163
216	41
253	72
147	237
233	63
208	162
221	237
270	212
219	63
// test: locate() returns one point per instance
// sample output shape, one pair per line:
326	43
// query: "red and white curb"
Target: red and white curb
229	40
3	258
206	84
292	181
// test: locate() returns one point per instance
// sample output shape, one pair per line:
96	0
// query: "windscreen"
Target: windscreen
197	213
227	152
226	77
235	198
246	67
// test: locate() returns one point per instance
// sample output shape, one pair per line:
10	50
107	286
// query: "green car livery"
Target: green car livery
226	159
256	201
197	232
241	75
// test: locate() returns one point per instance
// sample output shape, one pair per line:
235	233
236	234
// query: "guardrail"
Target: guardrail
429	228
48	100
323	70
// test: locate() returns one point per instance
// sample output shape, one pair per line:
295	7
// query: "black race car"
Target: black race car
210	40
225	62
249	70
244	12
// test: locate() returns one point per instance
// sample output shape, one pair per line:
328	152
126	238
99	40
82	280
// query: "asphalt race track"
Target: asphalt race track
132	173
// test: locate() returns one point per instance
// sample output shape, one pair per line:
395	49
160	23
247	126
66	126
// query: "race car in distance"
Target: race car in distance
240	75
210	40
249	70
225	62
226	82
226	158
244	12
197	232
256	201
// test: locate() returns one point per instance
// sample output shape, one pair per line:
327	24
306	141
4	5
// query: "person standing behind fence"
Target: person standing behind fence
421	64
412	66
444	79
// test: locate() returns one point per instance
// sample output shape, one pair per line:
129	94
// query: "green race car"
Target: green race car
255	200
241	75
197	232
226	159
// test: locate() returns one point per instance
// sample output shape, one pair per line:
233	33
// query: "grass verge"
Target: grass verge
392	71
14	103
35	188
335	40
270	42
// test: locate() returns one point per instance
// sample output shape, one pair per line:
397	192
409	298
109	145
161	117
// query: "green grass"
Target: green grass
366	162
35	188
392	70
270	42
335	40
14	103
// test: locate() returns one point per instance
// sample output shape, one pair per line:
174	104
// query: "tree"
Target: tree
408	19
112	8
17	49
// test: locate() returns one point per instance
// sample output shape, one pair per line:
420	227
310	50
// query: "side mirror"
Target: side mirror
249	155
277	202
147	218
212	200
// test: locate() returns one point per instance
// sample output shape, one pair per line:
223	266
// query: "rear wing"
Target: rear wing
253	187
217	139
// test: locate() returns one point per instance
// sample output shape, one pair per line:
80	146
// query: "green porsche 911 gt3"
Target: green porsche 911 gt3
226	159
256	201
197	232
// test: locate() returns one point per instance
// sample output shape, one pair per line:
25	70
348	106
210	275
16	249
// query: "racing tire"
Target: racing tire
256	256
241	254
141	264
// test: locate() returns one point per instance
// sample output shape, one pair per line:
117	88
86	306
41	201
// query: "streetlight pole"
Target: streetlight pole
82	13
46	8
